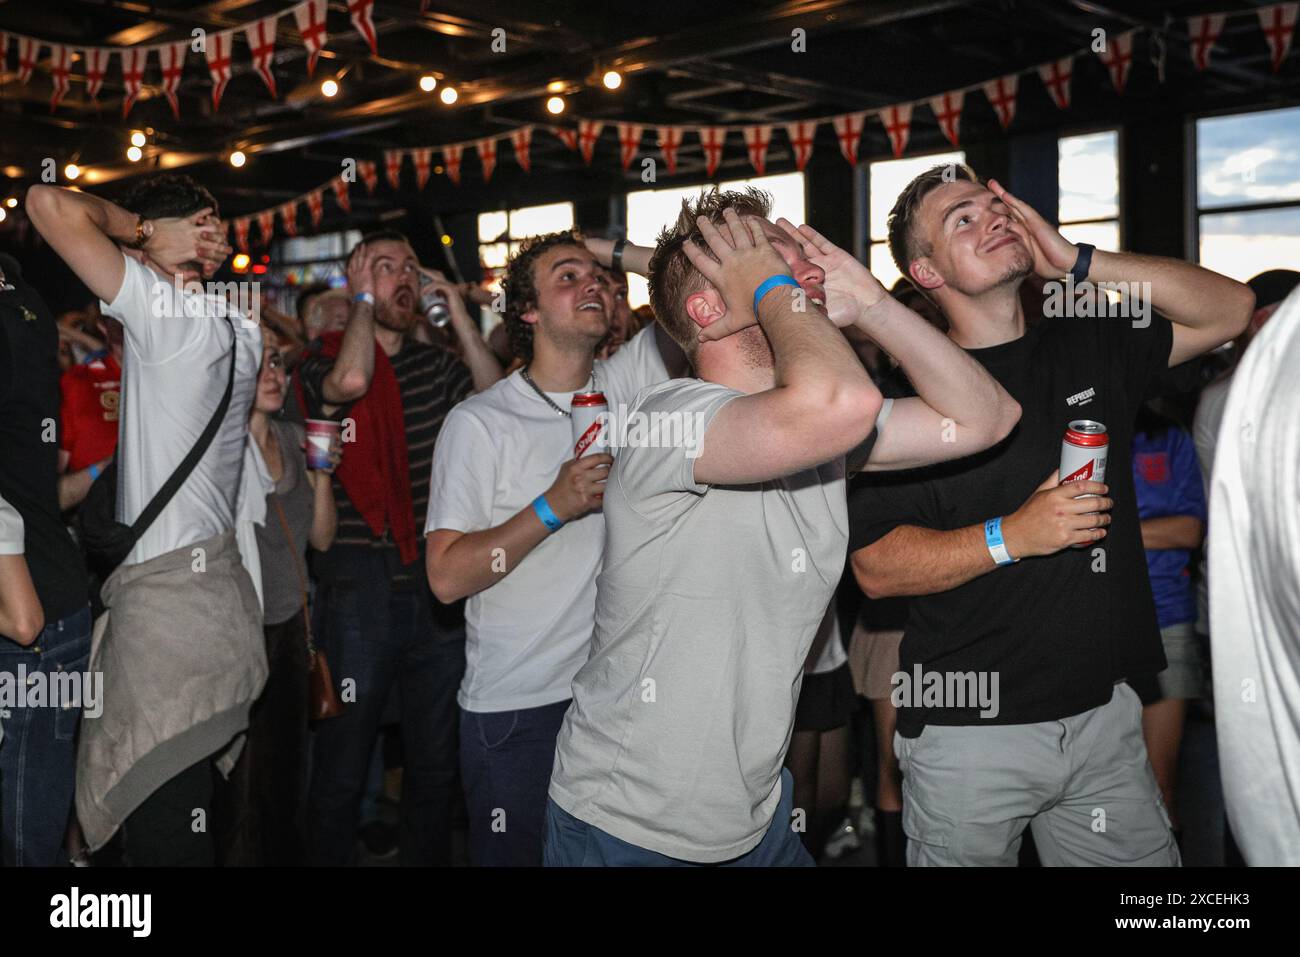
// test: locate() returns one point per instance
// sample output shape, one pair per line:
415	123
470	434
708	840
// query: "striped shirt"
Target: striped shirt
431	380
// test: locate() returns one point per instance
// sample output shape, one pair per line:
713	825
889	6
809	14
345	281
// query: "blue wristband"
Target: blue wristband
767	285
993	539
549	518
94	471
366	297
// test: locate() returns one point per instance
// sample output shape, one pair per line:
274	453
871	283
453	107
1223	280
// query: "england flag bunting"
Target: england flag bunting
522	139
1117	54
1278	23
393	168
487	154
947	110
341	195
801	136
60	65
848	130
241	233
1203	32
361	12
898	125
289	216
670	141
629	141
1056	77
310	18
588	133
96	67
261	42
218	54
1001	95
451	160
422	159
316	206
172	58
266	225
133	62
569	137
712	139
757	140
369	174
27	50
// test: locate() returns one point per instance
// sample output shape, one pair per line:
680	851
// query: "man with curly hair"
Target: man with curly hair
515	525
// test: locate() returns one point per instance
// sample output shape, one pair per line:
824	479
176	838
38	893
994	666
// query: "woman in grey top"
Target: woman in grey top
261	817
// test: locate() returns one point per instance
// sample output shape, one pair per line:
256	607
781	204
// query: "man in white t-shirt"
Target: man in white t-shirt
523	542
720	560
182	653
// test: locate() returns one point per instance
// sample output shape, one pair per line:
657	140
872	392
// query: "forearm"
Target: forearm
1172	531
814	362
478	560
1185	294
912	560
73	488
21	615
637	259
349	379
55	208
483	364
324	515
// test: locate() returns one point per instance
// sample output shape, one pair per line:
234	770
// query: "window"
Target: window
1088	189
301	260
1248	192
499	236
650	210
888	179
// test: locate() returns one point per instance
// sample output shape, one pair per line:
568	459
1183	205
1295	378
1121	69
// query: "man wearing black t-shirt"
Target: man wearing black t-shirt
1013	704
39	754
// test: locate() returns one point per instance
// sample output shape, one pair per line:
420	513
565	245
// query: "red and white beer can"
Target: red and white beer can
590	414
1083	452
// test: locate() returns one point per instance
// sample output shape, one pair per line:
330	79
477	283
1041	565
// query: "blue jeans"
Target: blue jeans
38	758
505	760
379	634
574	843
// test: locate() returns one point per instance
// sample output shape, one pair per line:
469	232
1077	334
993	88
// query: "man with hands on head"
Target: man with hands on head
983	544
721	557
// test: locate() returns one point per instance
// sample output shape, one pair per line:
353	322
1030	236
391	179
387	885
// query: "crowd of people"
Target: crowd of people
326	557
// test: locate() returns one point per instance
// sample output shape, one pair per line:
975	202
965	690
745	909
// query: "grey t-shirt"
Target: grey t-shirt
284	569
709	600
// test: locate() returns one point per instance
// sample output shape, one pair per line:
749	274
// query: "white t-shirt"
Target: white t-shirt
175	365
705	612
12	530
828	645
528	634
1255	594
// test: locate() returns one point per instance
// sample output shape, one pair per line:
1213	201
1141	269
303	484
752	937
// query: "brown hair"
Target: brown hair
520	286
672	276
904	244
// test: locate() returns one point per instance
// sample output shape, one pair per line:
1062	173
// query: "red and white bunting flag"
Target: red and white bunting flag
757	140
670	141
261	42
569	137
801	136
1277	21
341	195
241	233
422	159
1118	57
898	125
1056	77
1204	31
266	225
521	139
629	141
848	130
96	67
133	62
451	161
1001	94
947	110
60	66
310	18
28	47
218	54
712	138
487	154
588	133
360	11
289	216
369	174
316	206
172	58
393	167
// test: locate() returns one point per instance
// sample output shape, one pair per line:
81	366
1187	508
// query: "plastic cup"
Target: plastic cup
321	434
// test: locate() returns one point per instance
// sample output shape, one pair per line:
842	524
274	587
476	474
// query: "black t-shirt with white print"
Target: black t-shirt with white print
1058	630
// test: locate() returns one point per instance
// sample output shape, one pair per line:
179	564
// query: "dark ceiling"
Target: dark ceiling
699	62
